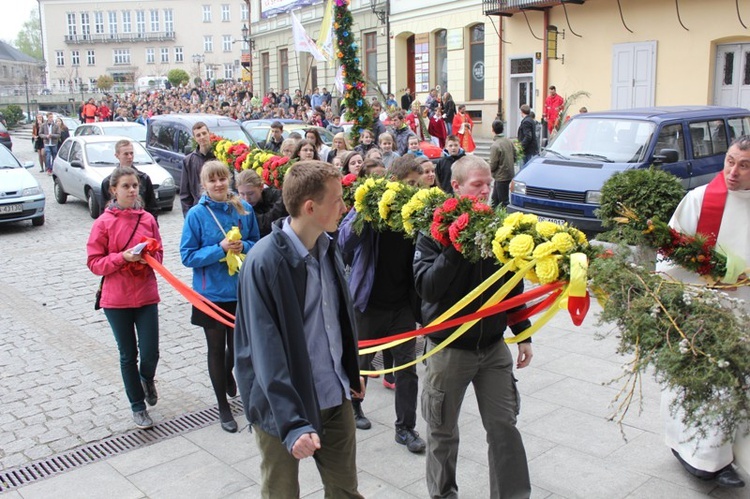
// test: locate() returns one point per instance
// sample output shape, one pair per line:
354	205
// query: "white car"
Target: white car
83	162
129	129
21	197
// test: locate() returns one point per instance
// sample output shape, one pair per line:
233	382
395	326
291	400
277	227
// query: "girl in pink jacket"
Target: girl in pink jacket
129	294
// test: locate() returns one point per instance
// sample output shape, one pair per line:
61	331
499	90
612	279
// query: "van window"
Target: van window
183	140
606	139
738	127
708	138
671	137
161	136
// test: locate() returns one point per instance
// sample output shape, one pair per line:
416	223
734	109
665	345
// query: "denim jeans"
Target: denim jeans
125	322
50	151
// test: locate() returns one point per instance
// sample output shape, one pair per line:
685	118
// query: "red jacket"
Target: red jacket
126	285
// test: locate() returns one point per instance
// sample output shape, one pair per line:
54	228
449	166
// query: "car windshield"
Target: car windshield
610	140
135	132
103	154
7	160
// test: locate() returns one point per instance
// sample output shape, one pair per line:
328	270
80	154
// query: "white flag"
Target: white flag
302	42
339	80
325	42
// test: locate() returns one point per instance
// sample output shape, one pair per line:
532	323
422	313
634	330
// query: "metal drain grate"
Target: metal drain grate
112	446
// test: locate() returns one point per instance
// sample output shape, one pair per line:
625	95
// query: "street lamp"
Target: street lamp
198	59
384	16
28	107
247	52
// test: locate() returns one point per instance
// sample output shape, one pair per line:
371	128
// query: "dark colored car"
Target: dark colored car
5	137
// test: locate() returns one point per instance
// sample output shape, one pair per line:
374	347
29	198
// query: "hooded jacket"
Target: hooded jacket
200	246
443	169
274	373
126	285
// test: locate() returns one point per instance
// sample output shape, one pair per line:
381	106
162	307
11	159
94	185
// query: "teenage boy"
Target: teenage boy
335	125
443	166
124	154
190	182
277	137
382	287
386	145
296	343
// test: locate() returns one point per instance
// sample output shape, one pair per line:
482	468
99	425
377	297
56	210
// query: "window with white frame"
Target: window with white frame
226	43
75	58
208	43
61	83
179	55
59	57
121	56
210	73
225	12
112	22
71	24
127	26
243	12
206	13
85	25
99	22
93	83
164	55
90	57
150	56
168	21
155	21
228	71
140	21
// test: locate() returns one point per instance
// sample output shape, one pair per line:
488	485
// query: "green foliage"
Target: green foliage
649	192
105	82
177	77
29	39
357	108
13	115
694	339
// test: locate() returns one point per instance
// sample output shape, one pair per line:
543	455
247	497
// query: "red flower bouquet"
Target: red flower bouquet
274	170
466	223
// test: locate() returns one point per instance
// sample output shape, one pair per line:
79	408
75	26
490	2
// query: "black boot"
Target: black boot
359	416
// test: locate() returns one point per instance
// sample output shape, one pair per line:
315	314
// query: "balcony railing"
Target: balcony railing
510	7
158	36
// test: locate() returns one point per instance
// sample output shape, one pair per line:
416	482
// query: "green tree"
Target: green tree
105	82
29	39
178	76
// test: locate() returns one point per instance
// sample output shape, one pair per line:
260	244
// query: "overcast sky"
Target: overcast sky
14	14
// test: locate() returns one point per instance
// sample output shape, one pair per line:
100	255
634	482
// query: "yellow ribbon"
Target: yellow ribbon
499	295
579	265
234	260
735	265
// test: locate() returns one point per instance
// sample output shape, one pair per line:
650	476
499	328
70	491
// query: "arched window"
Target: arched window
441	59
476	59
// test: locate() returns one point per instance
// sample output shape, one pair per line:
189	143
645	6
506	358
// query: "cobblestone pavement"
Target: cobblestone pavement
60	382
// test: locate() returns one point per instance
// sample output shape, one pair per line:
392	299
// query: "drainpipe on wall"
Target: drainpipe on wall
501	64
545	68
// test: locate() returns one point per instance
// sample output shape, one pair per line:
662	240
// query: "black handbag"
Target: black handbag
98	299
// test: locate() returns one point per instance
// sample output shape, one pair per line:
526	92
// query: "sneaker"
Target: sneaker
149	389
411	439
389	382
359	417
143	420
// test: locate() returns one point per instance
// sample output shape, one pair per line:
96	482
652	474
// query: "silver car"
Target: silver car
21	197
84	161
129	129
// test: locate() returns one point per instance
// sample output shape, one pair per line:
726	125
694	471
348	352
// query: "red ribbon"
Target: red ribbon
712	208
481	314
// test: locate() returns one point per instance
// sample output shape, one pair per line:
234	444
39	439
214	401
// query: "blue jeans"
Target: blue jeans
49	156
125	322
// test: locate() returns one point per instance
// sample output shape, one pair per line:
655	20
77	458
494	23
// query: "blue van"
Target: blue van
563	184
169	137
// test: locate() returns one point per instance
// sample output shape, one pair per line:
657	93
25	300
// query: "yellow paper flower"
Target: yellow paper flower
395	186
547	229
547	270
521	245
370	182
529	218
499	252
544	249
563	242
513	220
384	205
234	260
580	236
360	193
503	234
408	227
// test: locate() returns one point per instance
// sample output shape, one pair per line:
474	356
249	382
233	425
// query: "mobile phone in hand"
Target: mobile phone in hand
138	248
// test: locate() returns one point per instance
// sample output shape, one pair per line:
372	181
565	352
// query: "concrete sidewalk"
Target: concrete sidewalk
572	448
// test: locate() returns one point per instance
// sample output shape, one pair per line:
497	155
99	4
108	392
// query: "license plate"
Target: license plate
11	208
557	221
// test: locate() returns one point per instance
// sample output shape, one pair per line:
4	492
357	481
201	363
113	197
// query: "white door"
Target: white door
732	75
633	75
521	92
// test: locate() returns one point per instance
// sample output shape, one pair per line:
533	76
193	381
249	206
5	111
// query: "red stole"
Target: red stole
712	209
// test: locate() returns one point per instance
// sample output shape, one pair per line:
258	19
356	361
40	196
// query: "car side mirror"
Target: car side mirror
76	163
667	156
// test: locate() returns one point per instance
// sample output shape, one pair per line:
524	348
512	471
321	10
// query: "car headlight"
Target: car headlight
168	182
593	197
31	191
518	188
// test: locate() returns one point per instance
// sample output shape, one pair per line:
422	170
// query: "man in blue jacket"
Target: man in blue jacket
295	341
